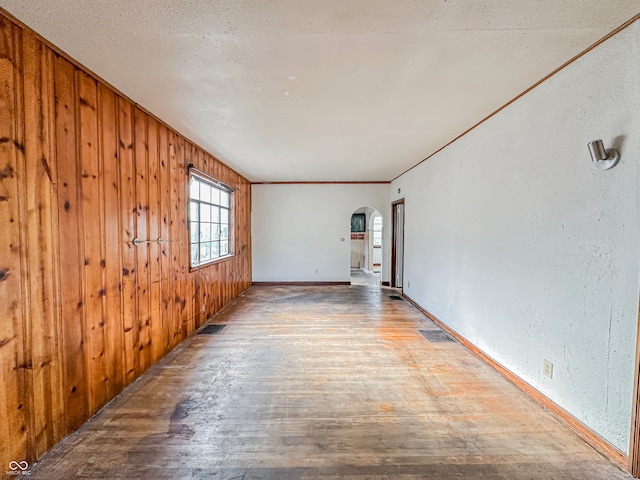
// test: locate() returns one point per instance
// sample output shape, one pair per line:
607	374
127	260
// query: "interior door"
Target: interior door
397	251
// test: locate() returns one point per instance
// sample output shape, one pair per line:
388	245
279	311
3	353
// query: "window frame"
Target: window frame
374	231
194	173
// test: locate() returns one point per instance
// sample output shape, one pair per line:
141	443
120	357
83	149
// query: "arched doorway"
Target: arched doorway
366	246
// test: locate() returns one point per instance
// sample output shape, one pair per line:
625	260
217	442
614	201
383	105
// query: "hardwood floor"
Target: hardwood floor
364	279
323	382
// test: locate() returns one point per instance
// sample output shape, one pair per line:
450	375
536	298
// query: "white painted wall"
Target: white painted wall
300	228
519	244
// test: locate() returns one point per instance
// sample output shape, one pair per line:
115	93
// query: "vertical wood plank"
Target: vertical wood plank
165	232
42	275
13	408
70	244
112	228
175	241
246	238
94	290
26	361
156	347
128	211
186	300
141	148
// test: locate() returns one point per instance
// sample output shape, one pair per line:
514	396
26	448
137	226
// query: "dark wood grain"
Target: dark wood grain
40	232
83	311
93	282
14	406
70	243
114	335
128	209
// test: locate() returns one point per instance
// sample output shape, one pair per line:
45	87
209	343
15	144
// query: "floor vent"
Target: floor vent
211	330
437	336
395	297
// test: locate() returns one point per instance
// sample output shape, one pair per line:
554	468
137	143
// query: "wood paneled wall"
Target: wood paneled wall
83	311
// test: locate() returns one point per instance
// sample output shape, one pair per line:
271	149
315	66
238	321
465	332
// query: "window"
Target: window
210	219
377	231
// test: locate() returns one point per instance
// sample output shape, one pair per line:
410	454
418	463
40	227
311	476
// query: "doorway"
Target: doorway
366	247
397	243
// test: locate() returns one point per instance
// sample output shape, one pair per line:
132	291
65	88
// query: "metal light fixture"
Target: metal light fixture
604	159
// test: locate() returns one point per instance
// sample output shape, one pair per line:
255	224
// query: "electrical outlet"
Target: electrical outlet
202	309
547	368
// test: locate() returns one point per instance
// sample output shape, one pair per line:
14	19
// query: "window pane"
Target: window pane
205	252
205	193
194	189
215	196
209	216
205	212
193	211
194	232
224	199
205	232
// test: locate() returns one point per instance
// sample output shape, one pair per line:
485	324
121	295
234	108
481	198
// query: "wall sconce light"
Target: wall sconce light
604	159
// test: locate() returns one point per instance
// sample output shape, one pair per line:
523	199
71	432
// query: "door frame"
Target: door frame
634	444
394	255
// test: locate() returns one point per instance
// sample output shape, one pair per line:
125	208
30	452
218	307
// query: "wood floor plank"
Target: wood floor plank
323	382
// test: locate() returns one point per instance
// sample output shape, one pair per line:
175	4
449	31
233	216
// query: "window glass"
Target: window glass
205	251
215	196
210	217
194	232
194	190
224	199
205	232
205	193
377	231
205	212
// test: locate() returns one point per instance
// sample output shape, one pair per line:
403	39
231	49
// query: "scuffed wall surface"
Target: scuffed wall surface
517	242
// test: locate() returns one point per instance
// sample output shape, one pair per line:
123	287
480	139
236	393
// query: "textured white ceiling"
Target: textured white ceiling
322	90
